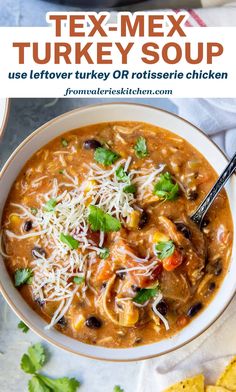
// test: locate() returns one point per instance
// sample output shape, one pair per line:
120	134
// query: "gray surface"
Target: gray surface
32	12
96	376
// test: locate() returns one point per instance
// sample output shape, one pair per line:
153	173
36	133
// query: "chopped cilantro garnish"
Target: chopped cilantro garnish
23	276
121	175
99	220
165	188
36	385
104	253
23	327
117	388
105	156
61	171
140	147
33	210
32	362
164	249
64	142
144	295
129	188
34	359
78	279
50	205
69	240
63	384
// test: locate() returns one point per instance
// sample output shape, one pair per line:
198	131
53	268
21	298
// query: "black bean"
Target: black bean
37	249
93	322
135	288
144	218
192	194
27	225
211	287
91	144
121	274
104	285
183	229
194	309
162	307
62	322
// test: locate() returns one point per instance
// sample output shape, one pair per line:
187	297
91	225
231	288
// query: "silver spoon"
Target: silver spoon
199	214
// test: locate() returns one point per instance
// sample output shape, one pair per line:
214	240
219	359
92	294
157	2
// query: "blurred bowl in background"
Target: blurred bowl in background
4	112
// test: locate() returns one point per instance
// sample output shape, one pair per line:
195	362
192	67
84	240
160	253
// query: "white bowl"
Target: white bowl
4	111
92	115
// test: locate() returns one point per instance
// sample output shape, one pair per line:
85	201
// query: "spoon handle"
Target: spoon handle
210	197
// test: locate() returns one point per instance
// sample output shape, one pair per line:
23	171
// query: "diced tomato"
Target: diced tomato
104	271
145	281
173	261
93	236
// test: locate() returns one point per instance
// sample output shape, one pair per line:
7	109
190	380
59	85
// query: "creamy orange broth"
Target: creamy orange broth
104	306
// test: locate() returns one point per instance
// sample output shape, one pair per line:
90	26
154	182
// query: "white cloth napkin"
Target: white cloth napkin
207	354
216	117
212	350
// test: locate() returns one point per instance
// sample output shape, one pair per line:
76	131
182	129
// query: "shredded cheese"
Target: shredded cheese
154	305
53	274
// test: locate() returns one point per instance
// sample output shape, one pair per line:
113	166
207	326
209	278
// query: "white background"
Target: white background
55	88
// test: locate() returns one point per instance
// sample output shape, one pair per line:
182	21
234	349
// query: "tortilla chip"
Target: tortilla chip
194	384
228	377
213	388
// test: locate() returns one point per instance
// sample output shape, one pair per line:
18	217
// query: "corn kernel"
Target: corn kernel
133	220
160	237
89	185
14	219
78	322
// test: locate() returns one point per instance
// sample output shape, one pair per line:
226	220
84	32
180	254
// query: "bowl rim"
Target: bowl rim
39	331
5	117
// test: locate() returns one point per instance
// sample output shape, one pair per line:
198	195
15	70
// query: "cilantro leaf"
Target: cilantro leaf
129	188
69	240
78	279
34	360
117	388
140	147
36	385
64	142
165	188
104	253
121	175
144	295
23	327
33	210
64	384
50	205
22	276
105	156
164	249
99	220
